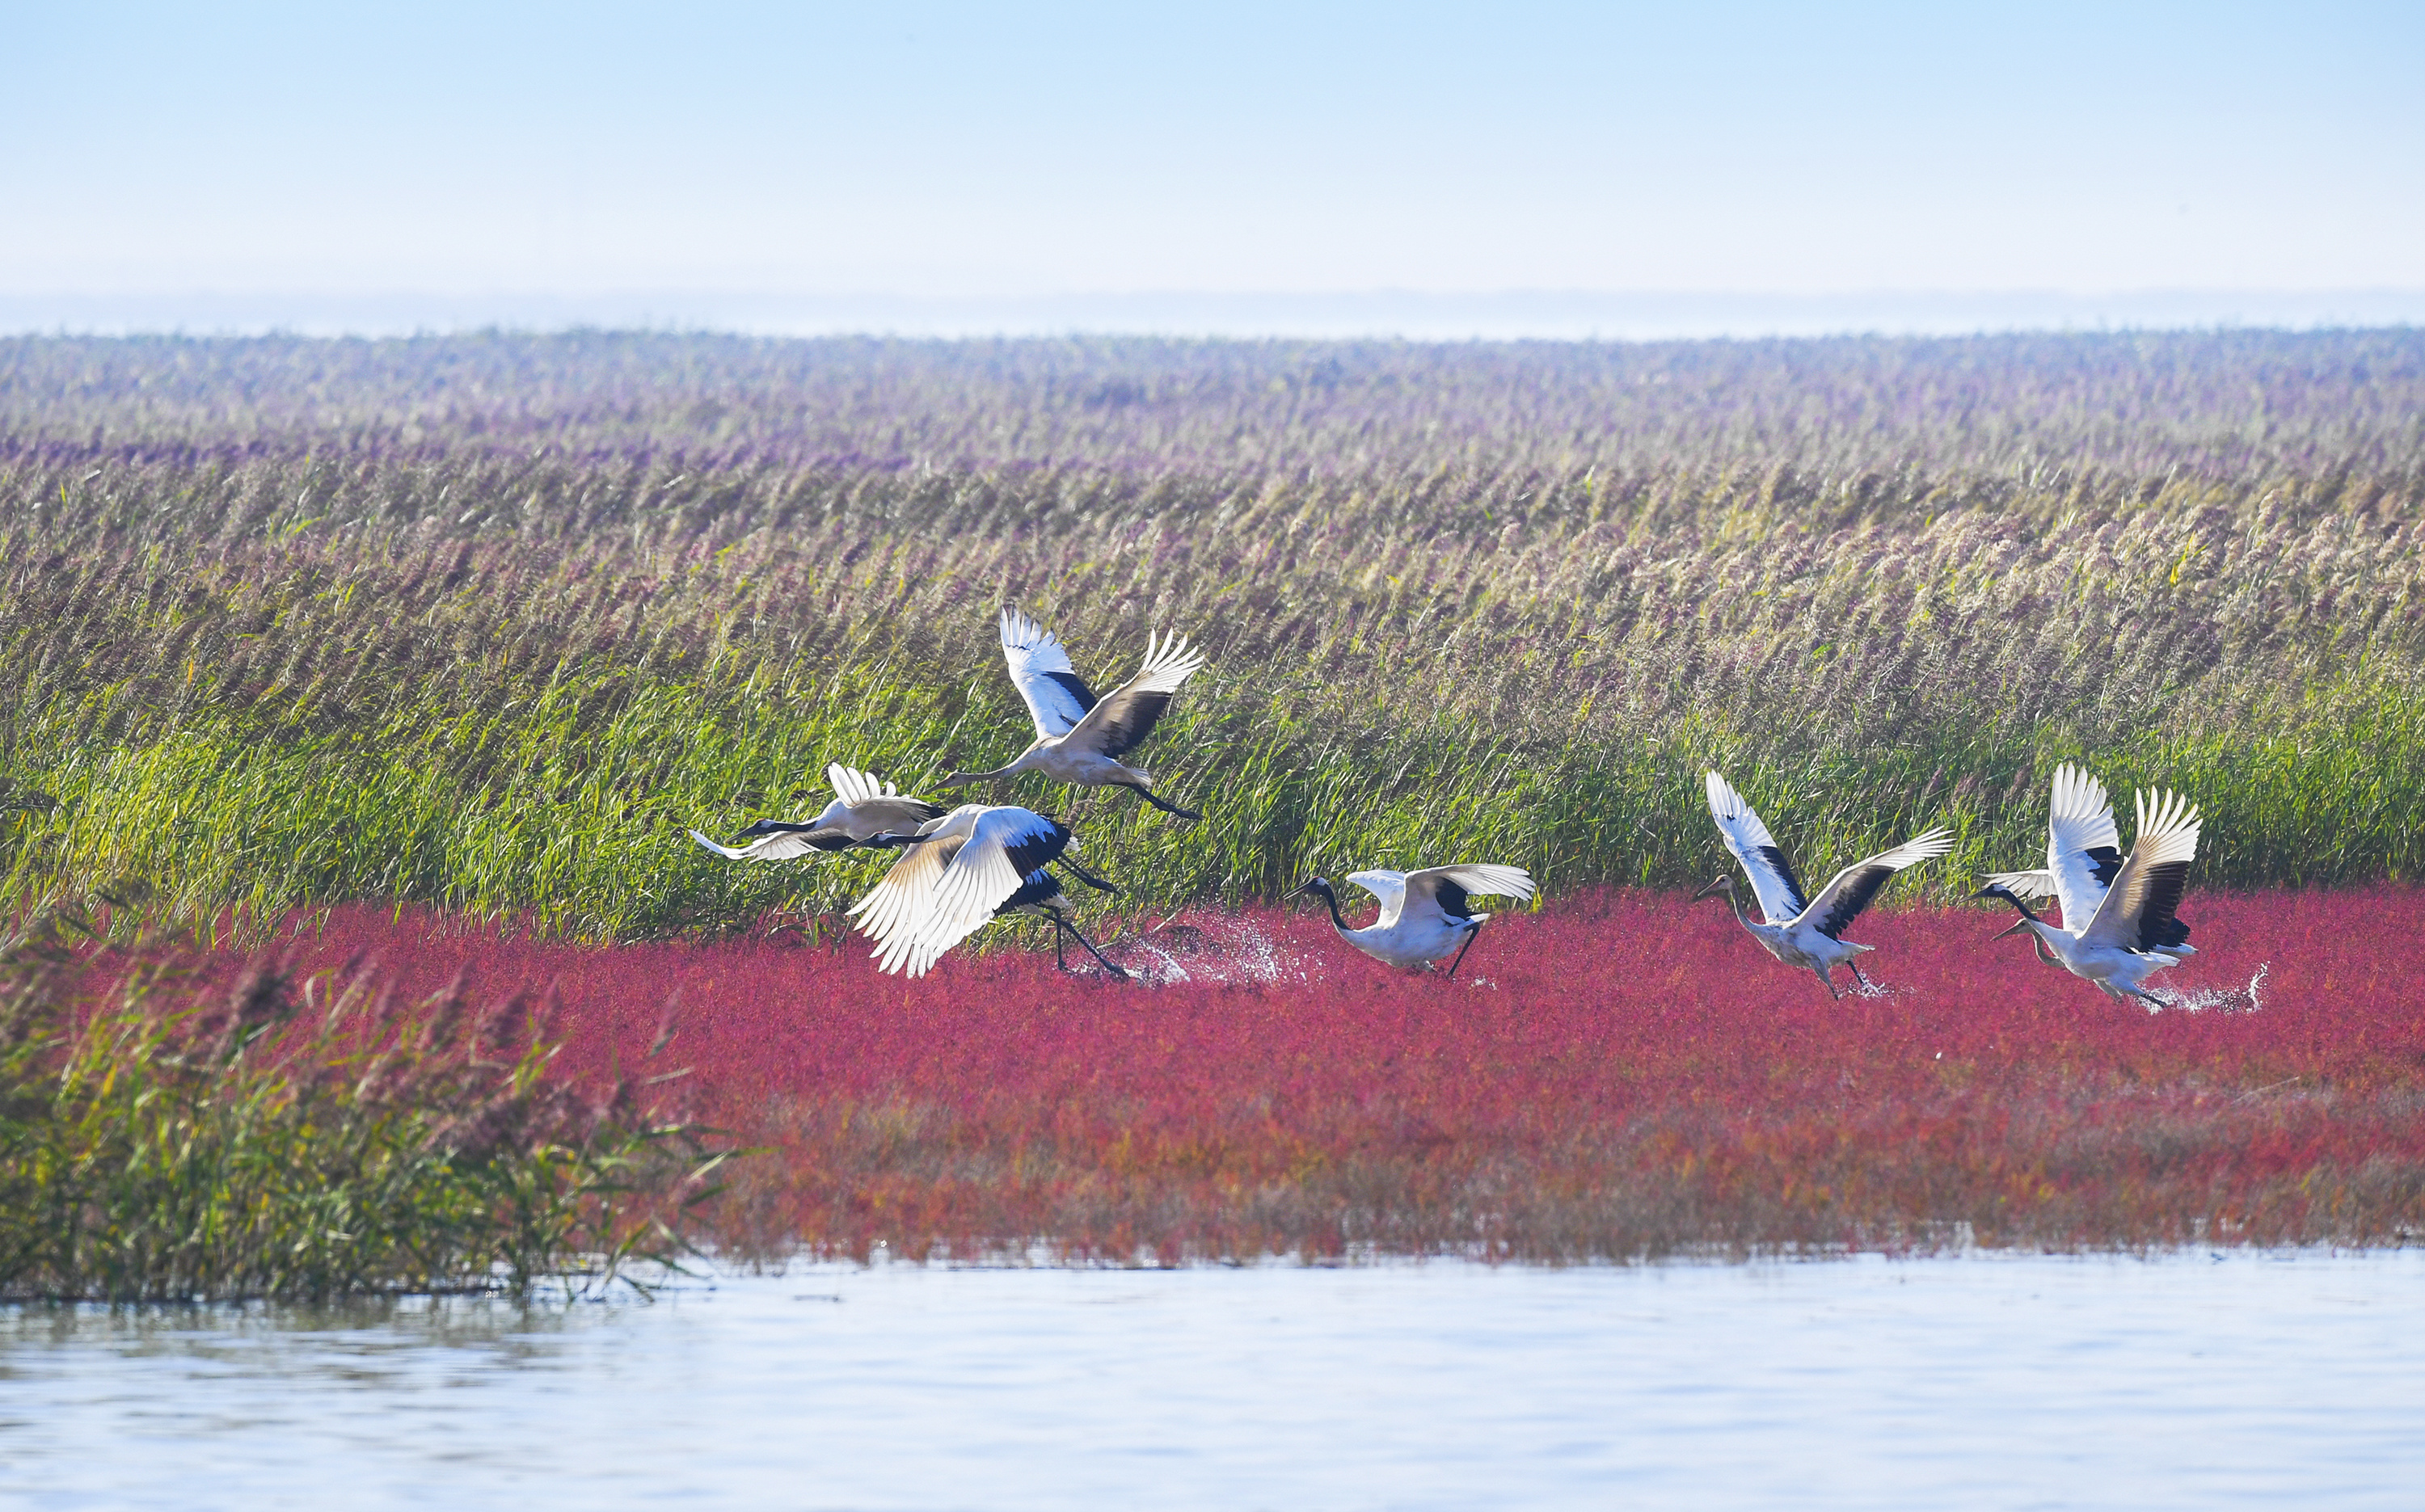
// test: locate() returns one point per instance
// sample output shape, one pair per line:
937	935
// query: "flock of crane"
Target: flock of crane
964	866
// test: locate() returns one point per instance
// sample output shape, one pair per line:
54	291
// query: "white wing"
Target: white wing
1772	876
2026	884
2080	820
1388	887
979	878
725	851
1424	887
855	787
1057	698
1125	716
788	846
895	911
940	893
2150	886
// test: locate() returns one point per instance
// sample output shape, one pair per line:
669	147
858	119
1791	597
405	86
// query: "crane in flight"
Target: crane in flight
2128	929
1079	738
2083	856
1806	933
959	872
864	811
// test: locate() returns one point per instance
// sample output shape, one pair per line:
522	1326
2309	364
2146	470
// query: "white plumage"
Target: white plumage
1079	738
1423	914
1796	931
864	808
964	866
2130	932
2083	848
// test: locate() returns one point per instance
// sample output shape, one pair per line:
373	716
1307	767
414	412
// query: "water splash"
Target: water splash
2248	999
1212	949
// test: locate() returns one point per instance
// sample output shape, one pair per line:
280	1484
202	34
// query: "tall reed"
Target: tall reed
488	622
168	1132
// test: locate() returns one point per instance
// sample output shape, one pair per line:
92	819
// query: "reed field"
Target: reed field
485	623
401	667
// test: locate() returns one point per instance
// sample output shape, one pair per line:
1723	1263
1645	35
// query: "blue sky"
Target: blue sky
990	153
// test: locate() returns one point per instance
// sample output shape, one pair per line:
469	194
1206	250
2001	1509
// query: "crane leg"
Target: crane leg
1833	995
1090	947
1083	875
1461	950
1167	806
1060	960
1856	975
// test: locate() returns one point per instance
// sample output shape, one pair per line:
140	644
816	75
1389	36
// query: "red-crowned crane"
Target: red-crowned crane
1423	914
1800	932
971	866
1079	738
864	810
2131	933
2083	854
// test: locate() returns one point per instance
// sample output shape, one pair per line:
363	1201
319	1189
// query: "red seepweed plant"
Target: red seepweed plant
1622	1075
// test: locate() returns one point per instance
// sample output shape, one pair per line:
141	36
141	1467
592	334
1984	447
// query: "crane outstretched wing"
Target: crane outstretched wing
2083	848
1445	889
1009	845
2026	884
1388	887
1850	890
2137	910
784	845
1057	698
1773	880
942	891
894	909
1125	715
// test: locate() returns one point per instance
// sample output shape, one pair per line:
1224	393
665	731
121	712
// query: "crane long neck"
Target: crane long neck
1330	900
2015	901
956	778
1734	900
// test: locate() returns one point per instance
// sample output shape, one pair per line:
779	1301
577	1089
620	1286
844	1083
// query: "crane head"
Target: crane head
1314	885
1723	884
1996	889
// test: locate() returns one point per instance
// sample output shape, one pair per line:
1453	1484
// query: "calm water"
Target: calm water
2266	1380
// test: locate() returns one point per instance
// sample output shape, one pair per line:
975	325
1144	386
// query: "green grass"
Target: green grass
170	1135
279	653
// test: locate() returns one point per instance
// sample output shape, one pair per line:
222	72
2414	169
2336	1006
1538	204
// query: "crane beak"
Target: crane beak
2014	929
1711	890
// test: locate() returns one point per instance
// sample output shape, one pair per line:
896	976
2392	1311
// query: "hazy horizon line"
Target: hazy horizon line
1377	313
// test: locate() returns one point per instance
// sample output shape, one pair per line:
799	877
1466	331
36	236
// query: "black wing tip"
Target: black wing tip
2158	925
1859	890
1076	687
2105	863
1133	721
1800	896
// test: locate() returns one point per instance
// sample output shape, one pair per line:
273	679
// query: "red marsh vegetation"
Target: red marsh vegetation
1623	1074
